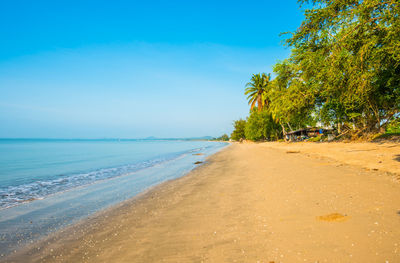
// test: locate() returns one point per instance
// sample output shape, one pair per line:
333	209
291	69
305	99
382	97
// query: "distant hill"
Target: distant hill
188	139
151	138
202	138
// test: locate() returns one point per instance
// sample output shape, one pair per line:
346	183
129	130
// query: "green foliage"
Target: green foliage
261	126
347	54
224	137
343	71
238	131
315	139
292	102
394	126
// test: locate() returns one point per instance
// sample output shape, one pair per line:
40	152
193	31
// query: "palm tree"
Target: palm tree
257	90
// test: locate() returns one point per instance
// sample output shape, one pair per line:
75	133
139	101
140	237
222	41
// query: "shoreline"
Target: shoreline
98	217
31	222
169	221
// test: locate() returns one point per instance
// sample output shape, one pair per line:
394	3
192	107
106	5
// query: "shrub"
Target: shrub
224	137
261	126
315	139
238	132
394	126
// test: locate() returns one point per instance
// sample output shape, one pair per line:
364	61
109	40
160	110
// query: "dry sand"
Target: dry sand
264	202
371	156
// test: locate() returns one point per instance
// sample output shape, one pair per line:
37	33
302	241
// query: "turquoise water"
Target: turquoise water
48	184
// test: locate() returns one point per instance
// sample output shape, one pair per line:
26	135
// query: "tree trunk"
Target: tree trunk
290	127
283	131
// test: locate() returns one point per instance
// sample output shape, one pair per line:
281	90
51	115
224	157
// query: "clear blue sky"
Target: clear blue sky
130	69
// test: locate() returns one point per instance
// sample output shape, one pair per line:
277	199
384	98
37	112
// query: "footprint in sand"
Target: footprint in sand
334	217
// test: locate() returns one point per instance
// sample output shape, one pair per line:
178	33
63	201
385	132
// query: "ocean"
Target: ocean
48	184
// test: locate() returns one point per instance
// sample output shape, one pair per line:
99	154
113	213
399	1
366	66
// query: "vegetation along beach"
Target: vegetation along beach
200	131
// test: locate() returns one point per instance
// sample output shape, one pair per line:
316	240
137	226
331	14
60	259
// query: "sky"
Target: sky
133	69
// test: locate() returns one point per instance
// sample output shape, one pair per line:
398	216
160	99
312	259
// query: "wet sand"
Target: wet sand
248	203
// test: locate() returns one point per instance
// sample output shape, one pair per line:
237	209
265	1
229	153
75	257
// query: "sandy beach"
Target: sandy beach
266	202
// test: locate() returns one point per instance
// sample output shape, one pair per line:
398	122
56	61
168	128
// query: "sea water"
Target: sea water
48	184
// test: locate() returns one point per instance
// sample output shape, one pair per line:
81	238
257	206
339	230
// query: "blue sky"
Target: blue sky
131	69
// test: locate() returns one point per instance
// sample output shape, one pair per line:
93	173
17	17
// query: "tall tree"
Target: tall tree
257	89
349	57
292	101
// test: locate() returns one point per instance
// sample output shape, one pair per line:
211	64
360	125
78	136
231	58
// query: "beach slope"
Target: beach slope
248	203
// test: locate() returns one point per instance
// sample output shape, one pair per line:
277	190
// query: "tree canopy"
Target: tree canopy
256	90
343	71
348	58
